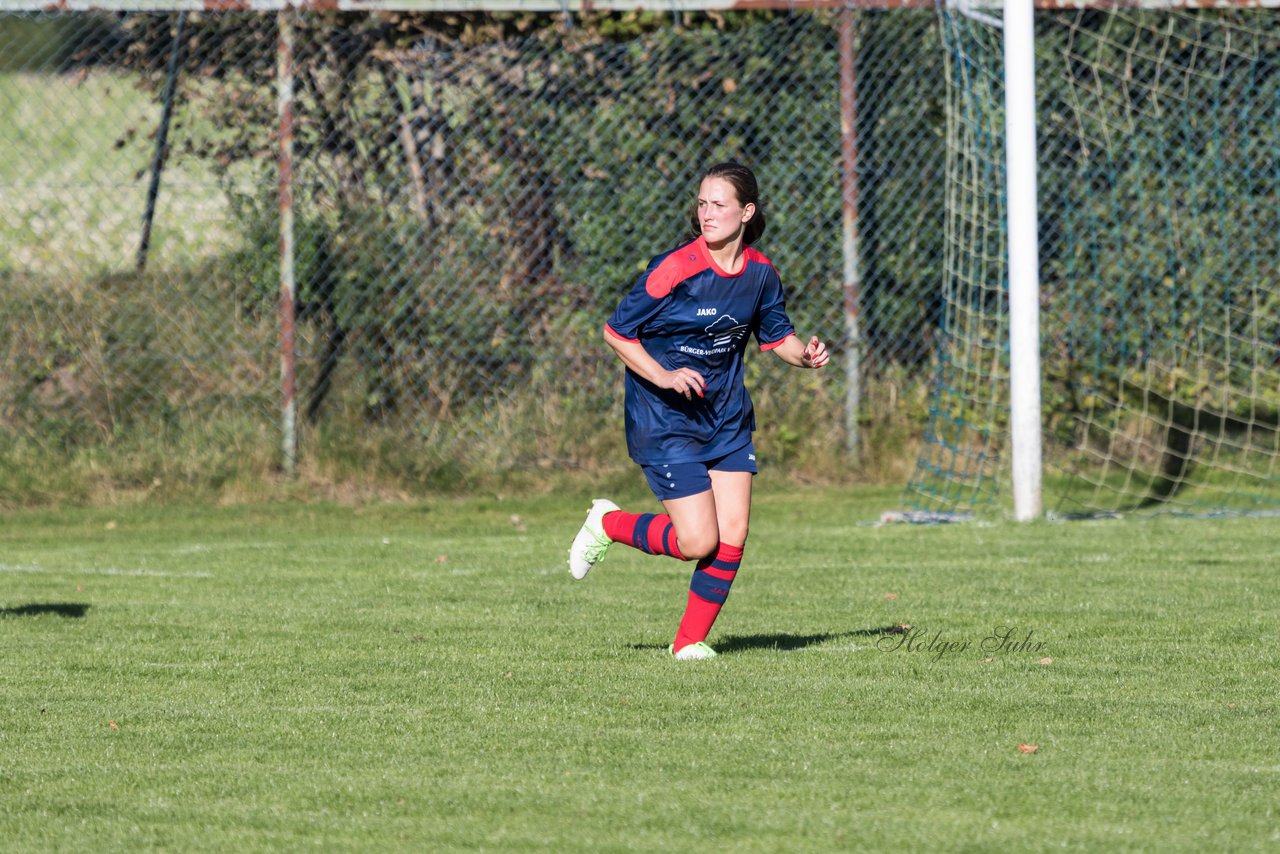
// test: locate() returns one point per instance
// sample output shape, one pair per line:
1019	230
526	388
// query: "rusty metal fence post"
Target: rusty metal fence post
288	285
852	284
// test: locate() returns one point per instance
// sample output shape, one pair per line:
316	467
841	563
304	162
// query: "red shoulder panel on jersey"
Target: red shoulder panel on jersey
688	260
756	255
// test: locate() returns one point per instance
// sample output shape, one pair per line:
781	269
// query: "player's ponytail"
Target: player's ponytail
748	192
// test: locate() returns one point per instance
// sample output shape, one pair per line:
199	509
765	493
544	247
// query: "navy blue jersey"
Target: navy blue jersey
688	313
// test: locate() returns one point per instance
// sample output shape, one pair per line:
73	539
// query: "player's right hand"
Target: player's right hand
685	381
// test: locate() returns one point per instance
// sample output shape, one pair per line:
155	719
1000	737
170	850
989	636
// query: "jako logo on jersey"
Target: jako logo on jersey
726	331
706	312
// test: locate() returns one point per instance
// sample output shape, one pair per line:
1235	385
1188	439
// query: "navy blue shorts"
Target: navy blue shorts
680	480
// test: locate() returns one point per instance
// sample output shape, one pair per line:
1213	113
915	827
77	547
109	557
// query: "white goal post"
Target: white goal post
1025	425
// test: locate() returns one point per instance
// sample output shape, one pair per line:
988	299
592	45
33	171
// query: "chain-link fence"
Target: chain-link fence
468	200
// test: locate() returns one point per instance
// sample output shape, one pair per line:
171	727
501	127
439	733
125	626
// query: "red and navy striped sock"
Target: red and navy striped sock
708	590
651	533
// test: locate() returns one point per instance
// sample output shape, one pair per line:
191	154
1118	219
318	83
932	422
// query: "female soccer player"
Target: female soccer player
681	332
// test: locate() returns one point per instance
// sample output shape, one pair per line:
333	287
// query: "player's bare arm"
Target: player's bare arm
802	355
684	381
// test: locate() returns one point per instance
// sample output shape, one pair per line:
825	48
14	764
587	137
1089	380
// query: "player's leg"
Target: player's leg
715	573
652	533
696	524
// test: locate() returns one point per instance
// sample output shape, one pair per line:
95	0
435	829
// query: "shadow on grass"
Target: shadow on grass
62	609
784	641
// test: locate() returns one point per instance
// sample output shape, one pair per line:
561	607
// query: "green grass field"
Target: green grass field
427	677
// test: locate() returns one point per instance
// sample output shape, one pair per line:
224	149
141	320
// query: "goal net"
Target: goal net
1158	137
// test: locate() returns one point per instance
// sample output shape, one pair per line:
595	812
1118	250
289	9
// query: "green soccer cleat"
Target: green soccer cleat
590	545
692	652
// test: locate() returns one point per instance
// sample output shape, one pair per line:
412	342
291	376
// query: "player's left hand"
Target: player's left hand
815	353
